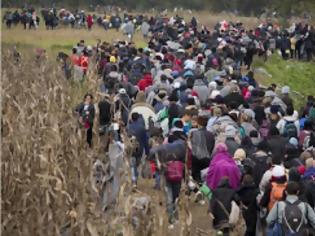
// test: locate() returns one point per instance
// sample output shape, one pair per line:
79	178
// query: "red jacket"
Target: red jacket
89	20
145	82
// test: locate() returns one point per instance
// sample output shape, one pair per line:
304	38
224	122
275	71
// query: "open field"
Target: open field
60	39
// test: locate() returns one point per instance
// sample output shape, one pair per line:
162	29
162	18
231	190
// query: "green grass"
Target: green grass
300	76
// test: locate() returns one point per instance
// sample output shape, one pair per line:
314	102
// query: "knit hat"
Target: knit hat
230	131
112	59
249	113
274	109
175	74
294	141
239	155
188	73
285	90
213	85
278	171
214	94
221	147
122	91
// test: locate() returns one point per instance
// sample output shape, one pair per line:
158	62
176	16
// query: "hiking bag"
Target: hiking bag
276	228
234	214
293	219
290	129
276	194
174	171
261	166
236	220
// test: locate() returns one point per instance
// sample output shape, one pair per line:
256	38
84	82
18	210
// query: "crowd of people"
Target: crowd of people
212	128
295	42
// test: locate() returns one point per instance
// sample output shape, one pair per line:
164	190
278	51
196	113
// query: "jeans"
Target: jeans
157	178
172	192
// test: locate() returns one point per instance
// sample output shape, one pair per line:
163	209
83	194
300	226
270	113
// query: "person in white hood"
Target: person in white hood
291	117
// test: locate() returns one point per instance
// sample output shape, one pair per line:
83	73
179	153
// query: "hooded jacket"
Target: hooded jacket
202	90
223	165
145	82
225	194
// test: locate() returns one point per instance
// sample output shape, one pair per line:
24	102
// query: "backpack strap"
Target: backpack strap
222	207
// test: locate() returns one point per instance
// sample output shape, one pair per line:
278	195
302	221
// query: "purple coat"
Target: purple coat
223	165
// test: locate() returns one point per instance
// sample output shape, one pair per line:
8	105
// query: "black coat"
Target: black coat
277	145
88	114
236	98
224	194
104	107
248	194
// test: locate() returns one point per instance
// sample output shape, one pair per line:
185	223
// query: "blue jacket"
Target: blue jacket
137	129
309	173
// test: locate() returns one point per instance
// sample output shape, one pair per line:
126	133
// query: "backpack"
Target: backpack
276	229
293	219
261	166
276	193
248	166
174	171
290	129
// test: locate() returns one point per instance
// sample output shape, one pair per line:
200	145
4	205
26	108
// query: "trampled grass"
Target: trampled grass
62	38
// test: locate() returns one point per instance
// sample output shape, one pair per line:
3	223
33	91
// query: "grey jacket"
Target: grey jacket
203	91
276	212
202	142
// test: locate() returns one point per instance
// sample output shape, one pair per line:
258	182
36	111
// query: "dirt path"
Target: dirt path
200	221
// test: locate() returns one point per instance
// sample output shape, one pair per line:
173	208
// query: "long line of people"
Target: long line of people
214	132
295	42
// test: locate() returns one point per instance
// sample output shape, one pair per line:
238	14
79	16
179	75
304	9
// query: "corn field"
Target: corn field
47	186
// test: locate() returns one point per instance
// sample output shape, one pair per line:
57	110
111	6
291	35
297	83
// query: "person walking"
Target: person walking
86	112
292	216
89	21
